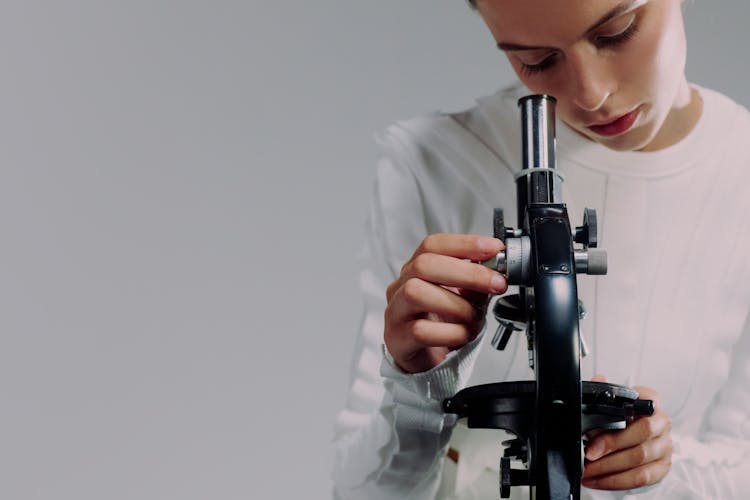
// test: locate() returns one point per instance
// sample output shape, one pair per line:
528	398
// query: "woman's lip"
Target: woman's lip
618	126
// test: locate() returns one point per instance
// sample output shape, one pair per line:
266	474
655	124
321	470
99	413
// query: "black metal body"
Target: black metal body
554	313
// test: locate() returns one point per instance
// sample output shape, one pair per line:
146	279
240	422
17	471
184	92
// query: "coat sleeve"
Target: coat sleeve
716	463
391	437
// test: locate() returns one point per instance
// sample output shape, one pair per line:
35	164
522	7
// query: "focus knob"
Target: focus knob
517	261
592	261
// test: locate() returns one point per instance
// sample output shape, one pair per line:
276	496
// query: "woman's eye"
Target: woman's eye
618	38
602	41
531	69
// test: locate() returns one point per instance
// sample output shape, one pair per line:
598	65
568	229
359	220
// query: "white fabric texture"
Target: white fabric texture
670	314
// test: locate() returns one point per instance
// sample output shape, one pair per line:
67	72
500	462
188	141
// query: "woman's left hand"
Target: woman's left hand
637	456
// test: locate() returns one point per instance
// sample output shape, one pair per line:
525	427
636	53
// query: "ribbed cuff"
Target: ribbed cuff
440	382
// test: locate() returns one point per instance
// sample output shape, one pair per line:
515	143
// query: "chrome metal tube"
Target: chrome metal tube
538	130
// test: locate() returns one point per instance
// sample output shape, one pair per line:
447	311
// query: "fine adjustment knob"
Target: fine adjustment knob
592	261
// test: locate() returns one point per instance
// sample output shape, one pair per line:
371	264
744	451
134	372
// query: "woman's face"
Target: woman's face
616	67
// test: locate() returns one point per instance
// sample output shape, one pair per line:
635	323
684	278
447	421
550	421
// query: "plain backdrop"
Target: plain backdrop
182	201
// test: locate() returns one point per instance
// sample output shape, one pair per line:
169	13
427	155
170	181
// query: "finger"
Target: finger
454	272
638	477
641	430
643	453
599	378
424	343
425	333
476	298
462	246
416	298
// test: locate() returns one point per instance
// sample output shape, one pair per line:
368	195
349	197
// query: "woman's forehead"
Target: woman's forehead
541	22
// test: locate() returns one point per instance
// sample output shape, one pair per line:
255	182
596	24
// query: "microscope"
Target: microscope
551	415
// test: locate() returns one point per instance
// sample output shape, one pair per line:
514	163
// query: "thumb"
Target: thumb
599	378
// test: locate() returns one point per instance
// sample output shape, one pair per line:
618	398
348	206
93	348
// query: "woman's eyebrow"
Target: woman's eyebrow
619	10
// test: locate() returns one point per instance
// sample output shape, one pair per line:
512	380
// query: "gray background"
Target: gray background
182	198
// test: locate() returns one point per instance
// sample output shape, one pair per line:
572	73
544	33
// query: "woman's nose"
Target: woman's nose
592	80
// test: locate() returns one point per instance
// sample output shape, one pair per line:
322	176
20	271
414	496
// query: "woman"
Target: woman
664	164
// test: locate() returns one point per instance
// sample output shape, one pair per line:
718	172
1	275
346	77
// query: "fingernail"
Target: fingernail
589	483
487	244
498	283
595	451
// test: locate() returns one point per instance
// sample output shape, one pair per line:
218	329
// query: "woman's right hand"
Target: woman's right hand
439	301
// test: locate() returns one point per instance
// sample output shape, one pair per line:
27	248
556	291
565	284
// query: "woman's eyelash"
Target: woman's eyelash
531	69
602	41
624	36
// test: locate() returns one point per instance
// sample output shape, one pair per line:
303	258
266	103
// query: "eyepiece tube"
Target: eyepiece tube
538	182
538	122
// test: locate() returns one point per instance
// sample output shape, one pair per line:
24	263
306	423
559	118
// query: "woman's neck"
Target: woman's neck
680	121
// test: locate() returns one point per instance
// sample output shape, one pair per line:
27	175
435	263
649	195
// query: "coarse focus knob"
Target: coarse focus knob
517	260
586	234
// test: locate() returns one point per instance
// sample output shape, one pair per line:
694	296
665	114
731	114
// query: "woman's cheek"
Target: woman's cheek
664	49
